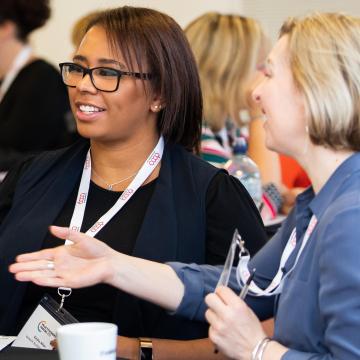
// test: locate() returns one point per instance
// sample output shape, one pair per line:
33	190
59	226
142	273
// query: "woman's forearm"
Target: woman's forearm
199	349
151	281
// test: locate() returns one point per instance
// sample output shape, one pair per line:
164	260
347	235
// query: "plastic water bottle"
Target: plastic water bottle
243	168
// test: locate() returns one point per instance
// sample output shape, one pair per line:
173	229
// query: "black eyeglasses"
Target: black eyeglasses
103	78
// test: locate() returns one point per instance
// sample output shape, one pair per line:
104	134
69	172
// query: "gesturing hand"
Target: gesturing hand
84	263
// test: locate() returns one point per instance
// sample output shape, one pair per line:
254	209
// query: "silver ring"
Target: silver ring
50	265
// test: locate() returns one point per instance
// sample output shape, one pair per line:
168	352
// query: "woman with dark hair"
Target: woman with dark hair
135	184
34	109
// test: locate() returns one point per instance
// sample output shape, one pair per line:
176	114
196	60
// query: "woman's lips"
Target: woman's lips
86	112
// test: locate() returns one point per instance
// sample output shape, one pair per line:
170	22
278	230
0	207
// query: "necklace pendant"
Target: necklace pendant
110	187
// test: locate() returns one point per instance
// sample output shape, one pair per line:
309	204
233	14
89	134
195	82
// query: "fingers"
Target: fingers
222	298
31	266
60	232
68	234
227	295
49	281
47	254
35	275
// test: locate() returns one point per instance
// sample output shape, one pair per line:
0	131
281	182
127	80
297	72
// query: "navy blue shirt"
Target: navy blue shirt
318	311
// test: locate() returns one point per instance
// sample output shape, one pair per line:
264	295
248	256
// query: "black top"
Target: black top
224	200
34	114
189	217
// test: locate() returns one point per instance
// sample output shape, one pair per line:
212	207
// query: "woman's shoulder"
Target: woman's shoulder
178	152
39	70
42	163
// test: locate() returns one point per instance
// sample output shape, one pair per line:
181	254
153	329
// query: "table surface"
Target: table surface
12	353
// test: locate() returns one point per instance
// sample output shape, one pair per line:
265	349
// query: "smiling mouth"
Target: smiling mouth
90	109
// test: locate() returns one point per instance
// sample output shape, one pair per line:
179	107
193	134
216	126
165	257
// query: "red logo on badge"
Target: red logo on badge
82	198
126	194
87	163
98	225
154	159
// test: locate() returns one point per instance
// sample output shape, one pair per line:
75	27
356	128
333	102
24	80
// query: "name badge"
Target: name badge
41	327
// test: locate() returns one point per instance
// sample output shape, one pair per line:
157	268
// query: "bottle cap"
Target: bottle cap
240	147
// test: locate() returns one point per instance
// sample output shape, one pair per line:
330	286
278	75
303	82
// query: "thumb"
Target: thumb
67	234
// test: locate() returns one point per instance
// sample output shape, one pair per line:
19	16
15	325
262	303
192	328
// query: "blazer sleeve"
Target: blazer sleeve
200	280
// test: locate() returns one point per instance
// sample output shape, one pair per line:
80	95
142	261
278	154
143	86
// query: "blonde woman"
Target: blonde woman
315	67
229	49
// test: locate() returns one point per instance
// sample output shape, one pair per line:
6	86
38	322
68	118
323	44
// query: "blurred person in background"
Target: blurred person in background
230	51
34	108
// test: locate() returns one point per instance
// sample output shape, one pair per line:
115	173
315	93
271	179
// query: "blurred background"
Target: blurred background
53	40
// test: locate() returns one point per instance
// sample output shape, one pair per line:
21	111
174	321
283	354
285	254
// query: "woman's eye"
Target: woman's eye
106	72
75	69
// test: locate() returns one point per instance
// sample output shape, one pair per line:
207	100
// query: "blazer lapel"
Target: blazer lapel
157	239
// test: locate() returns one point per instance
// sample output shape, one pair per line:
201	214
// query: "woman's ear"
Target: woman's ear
157	104
156	107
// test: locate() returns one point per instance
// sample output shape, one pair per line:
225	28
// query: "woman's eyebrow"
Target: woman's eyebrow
105	61
80	58
101	61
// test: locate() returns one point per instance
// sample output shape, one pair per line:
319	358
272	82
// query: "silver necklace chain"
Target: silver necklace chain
111	186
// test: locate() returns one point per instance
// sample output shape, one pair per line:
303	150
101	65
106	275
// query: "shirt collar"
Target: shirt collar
320	202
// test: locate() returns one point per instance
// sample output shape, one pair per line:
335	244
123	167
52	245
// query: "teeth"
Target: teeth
89	108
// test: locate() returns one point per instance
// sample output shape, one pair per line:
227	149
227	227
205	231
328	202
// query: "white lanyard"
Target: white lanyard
145	171
21	59
78	215
275	287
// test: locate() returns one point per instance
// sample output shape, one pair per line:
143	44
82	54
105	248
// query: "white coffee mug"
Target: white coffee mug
87	341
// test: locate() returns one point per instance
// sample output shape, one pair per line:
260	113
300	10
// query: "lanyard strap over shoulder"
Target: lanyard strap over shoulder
275	287
145	171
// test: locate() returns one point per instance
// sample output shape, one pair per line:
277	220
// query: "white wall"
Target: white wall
53	40
272	13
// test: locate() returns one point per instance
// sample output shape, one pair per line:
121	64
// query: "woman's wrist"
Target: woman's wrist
128	348
273	351
112	266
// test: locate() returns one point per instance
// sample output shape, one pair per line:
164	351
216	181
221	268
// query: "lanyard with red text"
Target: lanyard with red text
19	62
275	287
78	215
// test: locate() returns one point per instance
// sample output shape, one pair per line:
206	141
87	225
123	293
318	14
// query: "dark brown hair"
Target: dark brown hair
28	15
147	37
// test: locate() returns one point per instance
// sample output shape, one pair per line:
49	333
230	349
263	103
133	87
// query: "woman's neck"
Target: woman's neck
114	162
320	163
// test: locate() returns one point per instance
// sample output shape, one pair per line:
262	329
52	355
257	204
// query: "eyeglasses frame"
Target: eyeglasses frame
89	71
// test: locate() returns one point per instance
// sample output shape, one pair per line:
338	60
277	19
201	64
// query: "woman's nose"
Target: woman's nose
86	84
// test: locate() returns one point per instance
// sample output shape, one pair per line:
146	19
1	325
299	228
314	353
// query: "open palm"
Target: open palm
84	263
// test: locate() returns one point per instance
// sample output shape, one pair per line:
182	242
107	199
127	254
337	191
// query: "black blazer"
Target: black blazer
174	226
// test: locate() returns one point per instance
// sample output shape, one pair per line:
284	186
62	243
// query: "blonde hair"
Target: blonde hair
324	54
226	48
80	27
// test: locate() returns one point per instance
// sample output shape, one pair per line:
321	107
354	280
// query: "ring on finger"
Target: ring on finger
50	265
